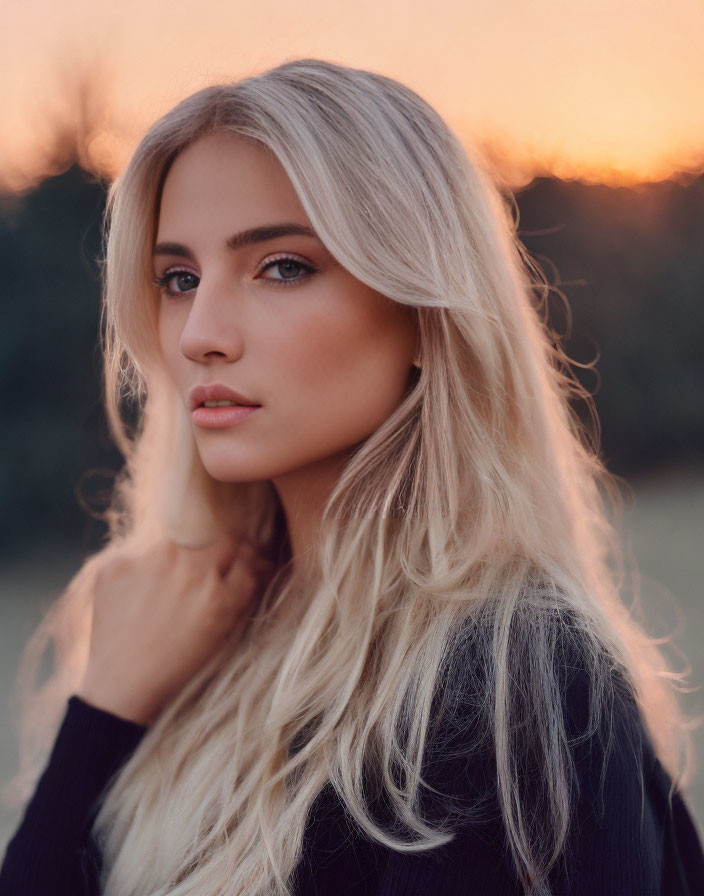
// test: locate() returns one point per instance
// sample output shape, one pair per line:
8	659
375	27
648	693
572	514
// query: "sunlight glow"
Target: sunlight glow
601	91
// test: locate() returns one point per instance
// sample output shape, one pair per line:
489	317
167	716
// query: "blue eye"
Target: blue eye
288	267
291	270
162	282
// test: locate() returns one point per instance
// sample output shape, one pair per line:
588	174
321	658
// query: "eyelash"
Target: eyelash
309	269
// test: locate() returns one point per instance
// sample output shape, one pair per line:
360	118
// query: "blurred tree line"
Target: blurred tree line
629	263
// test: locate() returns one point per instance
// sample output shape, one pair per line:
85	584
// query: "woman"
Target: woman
365	634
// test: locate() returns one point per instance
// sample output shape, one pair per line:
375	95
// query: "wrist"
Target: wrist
132	710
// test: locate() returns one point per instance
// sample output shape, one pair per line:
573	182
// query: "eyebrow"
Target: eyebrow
243	238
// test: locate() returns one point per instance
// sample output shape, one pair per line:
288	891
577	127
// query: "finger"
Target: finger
227	549
240	582
244	574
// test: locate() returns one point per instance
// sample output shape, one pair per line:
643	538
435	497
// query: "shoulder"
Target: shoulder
559	694
598	715
582	729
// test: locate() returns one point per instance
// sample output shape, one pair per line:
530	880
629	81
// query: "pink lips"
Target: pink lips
217	392
214	418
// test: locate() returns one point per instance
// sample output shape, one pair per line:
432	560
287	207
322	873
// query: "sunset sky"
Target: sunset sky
603	90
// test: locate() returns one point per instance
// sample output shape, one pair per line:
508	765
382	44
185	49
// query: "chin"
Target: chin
228	469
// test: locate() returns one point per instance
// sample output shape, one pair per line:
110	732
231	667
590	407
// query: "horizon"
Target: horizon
593	91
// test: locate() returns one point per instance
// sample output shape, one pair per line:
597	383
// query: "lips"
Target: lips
217	392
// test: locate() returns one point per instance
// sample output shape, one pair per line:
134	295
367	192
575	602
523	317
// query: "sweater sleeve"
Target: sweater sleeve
51	852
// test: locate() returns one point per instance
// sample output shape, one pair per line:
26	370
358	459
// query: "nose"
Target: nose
213	327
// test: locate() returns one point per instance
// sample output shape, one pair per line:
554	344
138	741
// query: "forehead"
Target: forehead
224	177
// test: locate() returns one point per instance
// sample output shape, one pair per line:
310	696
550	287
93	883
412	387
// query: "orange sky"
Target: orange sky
609	90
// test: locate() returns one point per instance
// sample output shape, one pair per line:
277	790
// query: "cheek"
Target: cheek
169	333
345	375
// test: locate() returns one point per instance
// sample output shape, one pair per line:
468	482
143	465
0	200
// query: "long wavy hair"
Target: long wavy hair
473	523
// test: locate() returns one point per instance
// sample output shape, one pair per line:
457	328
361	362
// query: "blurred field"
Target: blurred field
665	525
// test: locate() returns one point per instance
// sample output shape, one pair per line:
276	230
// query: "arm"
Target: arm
51	852
198	597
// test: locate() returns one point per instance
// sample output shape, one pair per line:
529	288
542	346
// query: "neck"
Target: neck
303	493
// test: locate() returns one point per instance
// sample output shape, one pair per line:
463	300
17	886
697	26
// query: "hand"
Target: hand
159	615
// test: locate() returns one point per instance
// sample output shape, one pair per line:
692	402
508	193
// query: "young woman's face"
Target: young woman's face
275	318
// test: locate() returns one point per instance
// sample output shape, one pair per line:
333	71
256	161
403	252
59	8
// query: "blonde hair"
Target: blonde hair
472	524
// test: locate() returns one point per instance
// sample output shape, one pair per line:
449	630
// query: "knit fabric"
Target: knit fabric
628	839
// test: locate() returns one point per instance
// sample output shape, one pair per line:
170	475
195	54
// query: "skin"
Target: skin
326	357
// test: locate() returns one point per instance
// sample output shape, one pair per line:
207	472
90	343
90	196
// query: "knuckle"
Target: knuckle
168	551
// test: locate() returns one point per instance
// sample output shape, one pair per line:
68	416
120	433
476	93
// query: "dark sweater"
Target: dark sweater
626	840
